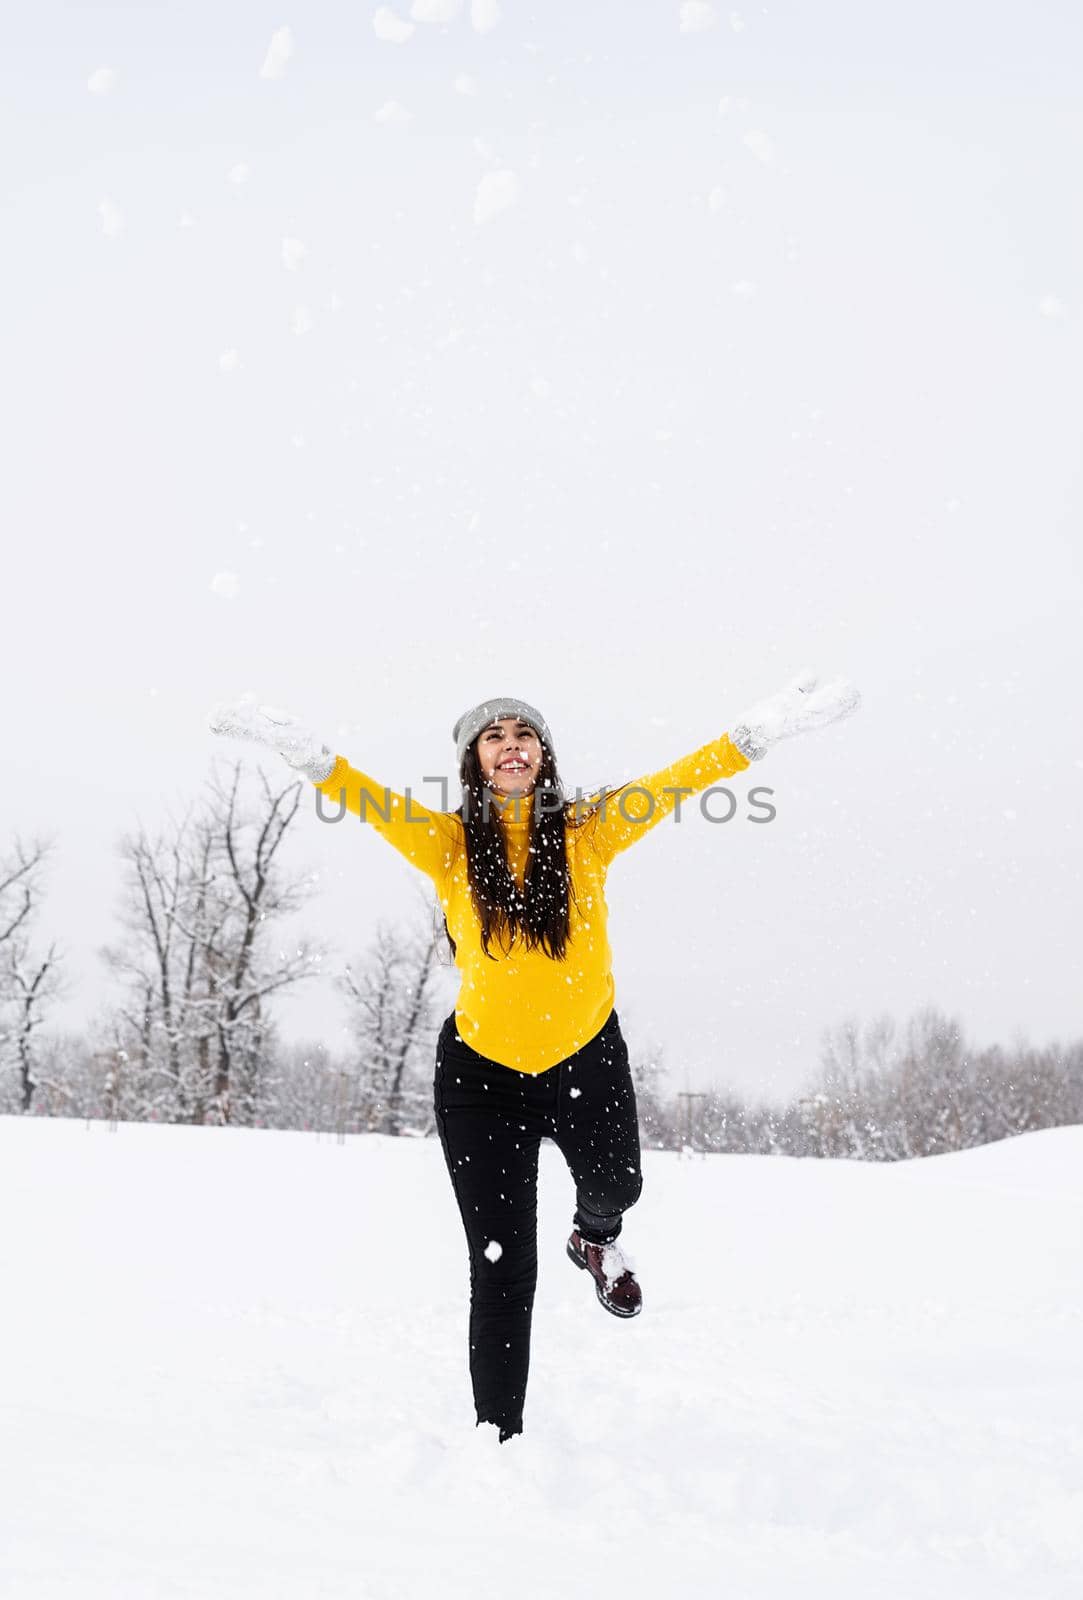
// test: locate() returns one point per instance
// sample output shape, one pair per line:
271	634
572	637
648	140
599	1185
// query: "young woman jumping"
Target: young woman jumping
533	1047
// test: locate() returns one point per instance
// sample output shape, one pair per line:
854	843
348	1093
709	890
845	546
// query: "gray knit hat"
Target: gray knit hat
471	722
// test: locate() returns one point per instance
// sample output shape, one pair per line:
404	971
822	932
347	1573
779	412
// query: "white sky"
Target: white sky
773	359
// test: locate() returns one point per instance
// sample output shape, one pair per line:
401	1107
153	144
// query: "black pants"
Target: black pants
491	1120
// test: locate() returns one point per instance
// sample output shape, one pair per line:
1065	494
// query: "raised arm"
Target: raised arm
427	839
632	810
629	812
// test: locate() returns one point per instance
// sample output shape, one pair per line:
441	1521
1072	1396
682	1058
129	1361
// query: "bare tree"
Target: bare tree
203	904
241	970
19	879
657	1126
311	1091
836	1113
28	978
886	1095
391	991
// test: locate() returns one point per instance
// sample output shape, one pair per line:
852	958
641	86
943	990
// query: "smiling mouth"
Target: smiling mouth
512	766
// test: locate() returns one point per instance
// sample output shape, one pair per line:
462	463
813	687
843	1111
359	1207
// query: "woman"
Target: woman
533	1047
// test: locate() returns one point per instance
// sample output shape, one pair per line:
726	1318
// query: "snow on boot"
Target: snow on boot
614	1279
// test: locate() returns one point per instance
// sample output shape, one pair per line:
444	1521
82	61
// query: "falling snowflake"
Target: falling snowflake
279	52
484	15
112	221
760	144
392	29
495	193
394	113
696	16
435	10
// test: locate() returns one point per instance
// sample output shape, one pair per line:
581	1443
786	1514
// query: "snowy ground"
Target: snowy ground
235	1365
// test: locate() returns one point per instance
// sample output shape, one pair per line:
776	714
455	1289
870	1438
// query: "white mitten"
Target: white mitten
804	704
277	730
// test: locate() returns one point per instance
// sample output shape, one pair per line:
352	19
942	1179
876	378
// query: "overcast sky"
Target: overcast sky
603	354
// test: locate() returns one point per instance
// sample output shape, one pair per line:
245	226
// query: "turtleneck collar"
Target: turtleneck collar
507	809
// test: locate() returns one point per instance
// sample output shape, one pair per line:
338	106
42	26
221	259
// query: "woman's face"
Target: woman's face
510	756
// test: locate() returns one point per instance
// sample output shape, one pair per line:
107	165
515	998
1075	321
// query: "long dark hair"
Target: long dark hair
540	912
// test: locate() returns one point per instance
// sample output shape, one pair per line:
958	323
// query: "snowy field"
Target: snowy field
235	1365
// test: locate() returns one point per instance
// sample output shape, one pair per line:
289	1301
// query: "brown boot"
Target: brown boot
614	1280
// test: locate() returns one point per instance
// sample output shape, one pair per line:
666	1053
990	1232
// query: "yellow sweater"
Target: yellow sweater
523	1009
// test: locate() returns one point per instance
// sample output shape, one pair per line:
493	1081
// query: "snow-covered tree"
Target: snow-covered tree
392	992
29	976
203	900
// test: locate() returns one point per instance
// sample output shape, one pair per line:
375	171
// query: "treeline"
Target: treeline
188	1034
885	1093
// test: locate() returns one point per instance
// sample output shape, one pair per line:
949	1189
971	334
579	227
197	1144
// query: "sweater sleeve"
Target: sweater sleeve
629	812
428	839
